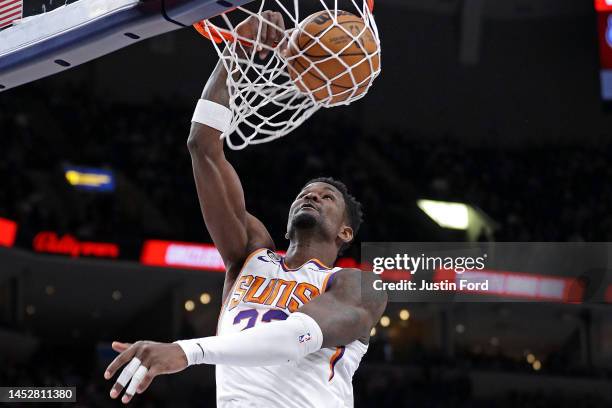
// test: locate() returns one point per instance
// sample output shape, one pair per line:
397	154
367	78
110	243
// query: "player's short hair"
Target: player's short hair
353	207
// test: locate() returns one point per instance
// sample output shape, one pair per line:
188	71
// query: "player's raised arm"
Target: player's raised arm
234	231
220	193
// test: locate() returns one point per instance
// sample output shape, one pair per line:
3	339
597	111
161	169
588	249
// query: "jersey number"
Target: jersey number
253	314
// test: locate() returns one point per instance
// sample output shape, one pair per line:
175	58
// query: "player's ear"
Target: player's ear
287	235
346	234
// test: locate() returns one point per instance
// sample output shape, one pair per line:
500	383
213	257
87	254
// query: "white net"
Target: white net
328	55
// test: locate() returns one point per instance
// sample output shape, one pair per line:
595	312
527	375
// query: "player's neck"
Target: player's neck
301	251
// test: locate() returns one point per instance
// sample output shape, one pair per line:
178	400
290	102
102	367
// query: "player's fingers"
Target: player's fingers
268	34
147	379
247	31
120	347
125	377
263	36
264	26
139	375
119	361
271	31
271	39
279	27
285	46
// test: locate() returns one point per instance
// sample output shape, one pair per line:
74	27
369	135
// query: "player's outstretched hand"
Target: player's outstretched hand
145	360
268	34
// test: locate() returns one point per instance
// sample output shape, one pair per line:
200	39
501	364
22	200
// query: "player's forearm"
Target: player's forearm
264	345
215	89
204	136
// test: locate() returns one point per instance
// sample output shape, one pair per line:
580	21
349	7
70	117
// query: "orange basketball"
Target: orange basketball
320	55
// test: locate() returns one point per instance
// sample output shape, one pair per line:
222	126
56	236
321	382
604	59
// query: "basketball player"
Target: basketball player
292	330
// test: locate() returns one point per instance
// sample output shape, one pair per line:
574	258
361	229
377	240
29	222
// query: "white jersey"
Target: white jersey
266	290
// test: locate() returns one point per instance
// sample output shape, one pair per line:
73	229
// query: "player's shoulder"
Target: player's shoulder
351	276
353	279
356	287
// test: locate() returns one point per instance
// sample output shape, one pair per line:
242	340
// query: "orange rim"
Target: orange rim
216	34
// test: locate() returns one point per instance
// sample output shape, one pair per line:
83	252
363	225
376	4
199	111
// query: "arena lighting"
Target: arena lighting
385	321
8	232
205	298
182	255
530	358
90	179
446	214
393	275
604	28
518	285
189	305
603	5
373	332
404	314
189	255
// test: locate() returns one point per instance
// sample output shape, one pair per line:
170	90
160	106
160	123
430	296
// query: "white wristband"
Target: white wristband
212	114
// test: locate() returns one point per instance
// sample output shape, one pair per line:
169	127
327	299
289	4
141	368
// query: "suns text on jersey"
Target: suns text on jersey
278	293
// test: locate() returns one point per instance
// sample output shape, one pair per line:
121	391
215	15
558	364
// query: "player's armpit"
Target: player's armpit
349	309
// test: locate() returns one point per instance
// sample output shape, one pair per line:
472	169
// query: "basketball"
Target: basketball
341	53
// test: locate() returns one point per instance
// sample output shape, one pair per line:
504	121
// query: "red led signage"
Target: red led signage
519	285
67	244
8	232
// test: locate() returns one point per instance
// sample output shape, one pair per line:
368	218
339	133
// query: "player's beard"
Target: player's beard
304	220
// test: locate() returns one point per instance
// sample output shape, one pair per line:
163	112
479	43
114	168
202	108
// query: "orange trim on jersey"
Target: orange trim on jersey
334	360
229	294
315	260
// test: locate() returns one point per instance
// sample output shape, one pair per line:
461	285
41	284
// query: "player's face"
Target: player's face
318	204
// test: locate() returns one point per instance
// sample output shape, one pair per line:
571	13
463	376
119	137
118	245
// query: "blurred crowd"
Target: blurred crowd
551	194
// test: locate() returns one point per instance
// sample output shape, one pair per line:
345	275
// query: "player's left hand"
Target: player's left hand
145	360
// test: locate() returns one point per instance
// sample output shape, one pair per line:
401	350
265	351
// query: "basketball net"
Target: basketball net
265	101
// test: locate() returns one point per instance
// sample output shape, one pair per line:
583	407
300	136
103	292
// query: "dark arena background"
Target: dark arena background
501	105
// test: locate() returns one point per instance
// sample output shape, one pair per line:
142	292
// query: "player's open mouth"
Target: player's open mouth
309	206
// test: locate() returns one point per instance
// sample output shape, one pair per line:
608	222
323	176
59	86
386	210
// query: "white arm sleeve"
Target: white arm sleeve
263	345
